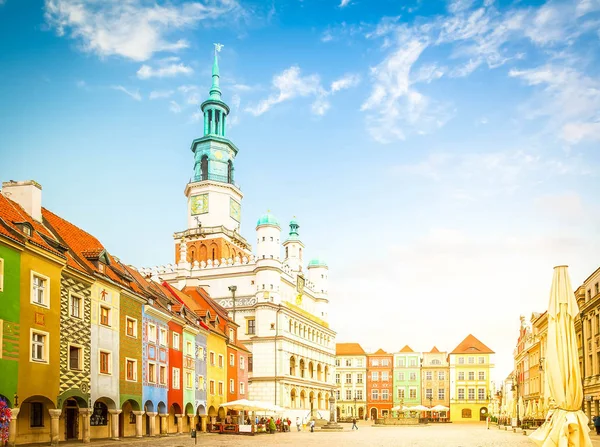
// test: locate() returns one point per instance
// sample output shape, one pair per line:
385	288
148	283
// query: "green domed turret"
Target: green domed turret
317	262
267	219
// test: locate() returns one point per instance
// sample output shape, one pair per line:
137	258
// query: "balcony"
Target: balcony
215	178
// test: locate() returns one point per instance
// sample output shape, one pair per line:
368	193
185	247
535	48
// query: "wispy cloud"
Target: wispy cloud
345	82
134	29
132	94
161	94
164	71
344	3
174	107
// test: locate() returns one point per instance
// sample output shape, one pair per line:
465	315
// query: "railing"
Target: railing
215	178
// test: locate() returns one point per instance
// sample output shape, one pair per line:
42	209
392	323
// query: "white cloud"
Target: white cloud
345	82
159	94
147	72
344	3
187	88
133	94
288	85
456	6
81	84
174	107
134	29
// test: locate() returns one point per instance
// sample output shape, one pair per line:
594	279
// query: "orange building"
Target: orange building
379	392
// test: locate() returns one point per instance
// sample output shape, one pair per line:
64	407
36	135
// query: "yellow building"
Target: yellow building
471	365
216	356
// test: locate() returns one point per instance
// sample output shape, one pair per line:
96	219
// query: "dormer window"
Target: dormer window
27	230
101	267
25	227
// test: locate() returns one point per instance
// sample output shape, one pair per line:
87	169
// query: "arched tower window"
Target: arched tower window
300	253
229	172
192	256
210	121
213	254
204	167
286	252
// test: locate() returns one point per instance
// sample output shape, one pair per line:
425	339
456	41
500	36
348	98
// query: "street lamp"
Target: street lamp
355	413
232	289
430	405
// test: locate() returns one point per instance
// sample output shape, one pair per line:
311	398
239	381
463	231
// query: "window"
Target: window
250	326
461	393
413	362
162	370
428	375
471	393
162	336
461	375
481	375
348	362
348	378
104	359
461	360
75	357
1	275
231	360
471	375
384	394
359	363
374	375
466	413
374	362
337	378
481	394
242	388
131	370
201	352
481	360
36	416
220	361
348	394
176	341
413	376
401	376
359	394
104	316
200	382
337	394
152	333
436	362
189	348
441	375
220	388
441	394
212	387
39	346
40	292
231	335
131	327
75	306
597	286
242	363
212	358
402	362
359	378
375	394
471	360
151	372
412	393
189	380
231	386
385	376
400	393
385	362
337	362
250	364
176	378
429	393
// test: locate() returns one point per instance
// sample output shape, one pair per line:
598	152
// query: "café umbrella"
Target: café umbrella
567	425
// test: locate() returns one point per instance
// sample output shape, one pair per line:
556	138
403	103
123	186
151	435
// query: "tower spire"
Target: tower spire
215	91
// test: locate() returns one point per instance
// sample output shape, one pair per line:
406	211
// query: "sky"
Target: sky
442	157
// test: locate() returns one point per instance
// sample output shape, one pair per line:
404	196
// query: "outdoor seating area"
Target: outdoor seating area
245	418
423	414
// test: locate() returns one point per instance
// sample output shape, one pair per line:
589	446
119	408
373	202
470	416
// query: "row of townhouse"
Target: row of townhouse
91	348
369	385
525	385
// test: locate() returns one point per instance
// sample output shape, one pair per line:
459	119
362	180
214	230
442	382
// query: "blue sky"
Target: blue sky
442	156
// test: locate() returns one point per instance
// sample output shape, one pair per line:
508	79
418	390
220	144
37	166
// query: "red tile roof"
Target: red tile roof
406	349
471	345
380	352
434	350
349	349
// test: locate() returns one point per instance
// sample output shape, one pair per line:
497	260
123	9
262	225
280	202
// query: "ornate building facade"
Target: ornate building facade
351	381
280	307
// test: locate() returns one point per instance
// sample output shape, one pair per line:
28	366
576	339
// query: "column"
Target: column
85	414
192	420
163	423
114	424
223	125
138	423
12	429
54	431
212	122
203	423
179	423
205	122
152	422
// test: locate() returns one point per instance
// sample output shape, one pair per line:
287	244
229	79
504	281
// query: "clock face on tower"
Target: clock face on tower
234	210
199	204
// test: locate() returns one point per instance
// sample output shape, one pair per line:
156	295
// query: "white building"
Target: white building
281	307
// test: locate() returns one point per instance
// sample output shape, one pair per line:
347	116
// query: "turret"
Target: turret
293	247
268	262
317	274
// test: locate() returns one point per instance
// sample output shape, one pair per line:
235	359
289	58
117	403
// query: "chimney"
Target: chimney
28	194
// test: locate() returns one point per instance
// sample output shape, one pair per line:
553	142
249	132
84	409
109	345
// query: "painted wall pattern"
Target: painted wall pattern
76	331
152	352
200	388
131	347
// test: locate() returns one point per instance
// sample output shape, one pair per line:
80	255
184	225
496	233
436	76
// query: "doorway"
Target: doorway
72	423
373	413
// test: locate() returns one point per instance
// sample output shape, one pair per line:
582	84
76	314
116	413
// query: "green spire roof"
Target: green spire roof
294	236
267	219
215	91
317	262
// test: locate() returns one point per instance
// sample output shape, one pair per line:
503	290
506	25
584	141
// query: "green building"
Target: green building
407	378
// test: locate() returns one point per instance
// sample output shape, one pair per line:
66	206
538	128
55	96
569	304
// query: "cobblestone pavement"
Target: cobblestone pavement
450	435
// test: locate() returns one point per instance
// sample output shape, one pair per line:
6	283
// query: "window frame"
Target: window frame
251	326
231	360
153	339
176	381
135	375
242	362
109	362
73	296
231	386
221	361
242	388
108	312
41	414
163	337
221	387
176	346
152	376
46	295
80	362
45	347
189	381
162	373
134	320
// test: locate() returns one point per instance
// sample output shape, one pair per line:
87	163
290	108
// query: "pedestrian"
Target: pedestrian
298	423
487	421
597	424
312	426
354	424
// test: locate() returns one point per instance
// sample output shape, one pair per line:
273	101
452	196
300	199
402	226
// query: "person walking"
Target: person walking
312	426
298	423
354	424
597	424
